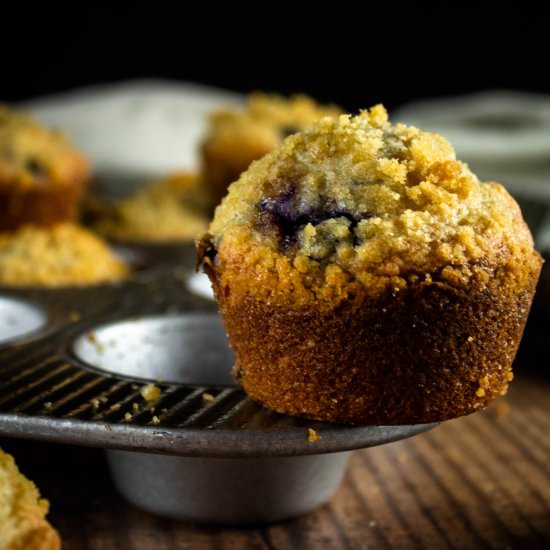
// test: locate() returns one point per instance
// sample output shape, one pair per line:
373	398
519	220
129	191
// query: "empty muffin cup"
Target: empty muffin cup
223	485
18	319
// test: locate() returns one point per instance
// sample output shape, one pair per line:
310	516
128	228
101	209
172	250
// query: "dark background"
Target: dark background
349	58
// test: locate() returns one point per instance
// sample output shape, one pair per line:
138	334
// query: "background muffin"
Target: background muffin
42	176
171	209
236	138
23	524
64	255
366	276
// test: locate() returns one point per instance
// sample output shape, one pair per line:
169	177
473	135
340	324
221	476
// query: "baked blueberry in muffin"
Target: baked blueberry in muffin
237	137
42	176
365	275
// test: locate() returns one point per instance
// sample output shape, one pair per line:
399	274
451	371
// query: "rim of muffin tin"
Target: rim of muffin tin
168	294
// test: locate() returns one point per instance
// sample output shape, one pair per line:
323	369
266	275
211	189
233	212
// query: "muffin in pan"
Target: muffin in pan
23	524
365	275
42	176
63	255
170	209
236	138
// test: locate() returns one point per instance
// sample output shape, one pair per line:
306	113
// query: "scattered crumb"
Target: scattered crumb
95	403
108	428
128	416
92	338
501	408
208	397
402	457
312	435
150	392
48	405
135	407
74	316
484	382
155	420
480	392
470	338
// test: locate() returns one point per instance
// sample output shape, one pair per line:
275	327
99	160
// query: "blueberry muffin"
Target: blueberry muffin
63	255
23	524
171	209
42	176
236	138
365	275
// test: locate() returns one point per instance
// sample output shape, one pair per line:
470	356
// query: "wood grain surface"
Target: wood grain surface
481	481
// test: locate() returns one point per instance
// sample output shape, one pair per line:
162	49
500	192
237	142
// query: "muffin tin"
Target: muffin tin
73	367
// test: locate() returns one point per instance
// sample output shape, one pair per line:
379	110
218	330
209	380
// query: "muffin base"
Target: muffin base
427	353
45	206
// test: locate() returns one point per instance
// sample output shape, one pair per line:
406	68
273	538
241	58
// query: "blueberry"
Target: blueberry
287	216
289	131
34	167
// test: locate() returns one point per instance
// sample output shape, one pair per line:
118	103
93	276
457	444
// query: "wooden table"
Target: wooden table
477	482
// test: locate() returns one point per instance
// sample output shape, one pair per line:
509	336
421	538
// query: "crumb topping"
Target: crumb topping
360	200
31	154
166	210
62	255
22	511
268	118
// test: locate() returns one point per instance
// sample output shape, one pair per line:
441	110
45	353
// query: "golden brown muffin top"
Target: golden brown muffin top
267	119
170	209
31	154
63	255
360	199
22	512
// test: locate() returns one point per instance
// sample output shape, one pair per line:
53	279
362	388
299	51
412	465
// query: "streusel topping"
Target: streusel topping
369	198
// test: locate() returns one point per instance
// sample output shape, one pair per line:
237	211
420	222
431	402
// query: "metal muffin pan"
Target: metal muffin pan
79	380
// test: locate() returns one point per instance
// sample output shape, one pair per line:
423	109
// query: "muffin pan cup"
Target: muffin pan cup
200	450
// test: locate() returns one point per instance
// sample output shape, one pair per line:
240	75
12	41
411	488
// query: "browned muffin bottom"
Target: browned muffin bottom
42	177
366	276
237	137
428	353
